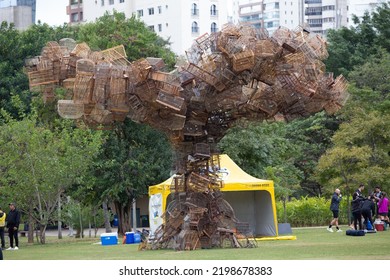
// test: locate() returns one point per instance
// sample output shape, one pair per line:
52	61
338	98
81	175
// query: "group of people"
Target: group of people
10	221
374	205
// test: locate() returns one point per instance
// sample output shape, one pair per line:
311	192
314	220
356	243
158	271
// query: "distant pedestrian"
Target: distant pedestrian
2	227
383	208
368	211
13	221
357	199
377	196
334	207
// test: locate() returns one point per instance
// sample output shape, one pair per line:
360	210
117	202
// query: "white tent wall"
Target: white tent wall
255	208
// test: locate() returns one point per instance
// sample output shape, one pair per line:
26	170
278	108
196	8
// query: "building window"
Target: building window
121	1
159	9
213	10
277	5
75	17
194	9
81	16
102	2
214	27
140	13
151	11
74	2
111	2
194	27
159	27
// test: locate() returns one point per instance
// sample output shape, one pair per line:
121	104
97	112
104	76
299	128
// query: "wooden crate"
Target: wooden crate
41	77
68	109
174	102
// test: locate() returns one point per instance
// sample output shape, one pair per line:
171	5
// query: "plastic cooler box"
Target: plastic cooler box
132	237
380	227
129	237
109	238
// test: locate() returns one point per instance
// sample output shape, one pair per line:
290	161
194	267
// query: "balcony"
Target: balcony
313	1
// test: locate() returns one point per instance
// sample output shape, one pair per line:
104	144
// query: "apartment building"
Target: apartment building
75	11
180	21
19	12
269	14
359	7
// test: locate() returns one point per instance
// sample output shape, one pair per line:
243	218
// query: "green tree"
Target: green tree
37	165
114	29
133	158
350	47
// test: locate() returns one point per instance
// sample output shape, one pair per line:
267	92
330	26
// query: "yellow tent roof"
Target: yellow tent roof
234	179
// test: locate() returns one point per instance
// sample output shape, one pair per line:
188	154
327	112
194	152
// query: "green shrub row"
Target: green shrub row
310	211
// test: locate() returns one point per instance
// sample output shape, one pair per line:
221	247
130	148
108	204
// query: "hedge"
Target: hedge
310	211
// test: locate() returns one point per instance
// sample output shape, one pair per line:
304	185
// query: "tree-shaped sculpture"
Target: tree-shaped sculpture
237	73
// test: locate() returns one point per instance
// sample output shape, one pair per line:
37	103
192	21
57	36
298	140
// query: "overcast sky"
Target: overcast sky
52	12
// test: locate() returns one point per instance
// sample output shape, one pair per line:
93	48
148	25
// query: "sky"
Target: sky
52	12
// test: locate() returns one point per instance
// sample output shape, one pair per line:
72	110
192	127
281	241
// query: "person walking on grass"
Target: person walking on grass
13	221
334	207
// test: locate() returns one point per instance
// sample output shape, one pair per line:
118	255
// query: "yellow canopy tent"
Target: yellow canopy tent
252	199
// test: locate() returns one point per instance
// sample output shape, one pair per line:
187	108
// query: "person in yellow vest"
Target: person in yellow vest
2	227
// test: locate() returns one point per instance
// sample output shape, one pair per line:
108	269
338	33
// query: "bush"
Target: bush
310	211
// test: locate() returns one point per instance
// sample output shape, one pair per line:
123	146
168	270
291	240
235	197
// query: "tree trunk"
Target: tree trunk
59	217
123	212
30	226
81	232
42	234
107	217
89	228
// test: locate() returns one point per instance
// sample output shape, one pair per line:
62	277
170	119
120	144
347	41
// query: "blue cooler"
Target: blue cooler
129	237
109	238
137	238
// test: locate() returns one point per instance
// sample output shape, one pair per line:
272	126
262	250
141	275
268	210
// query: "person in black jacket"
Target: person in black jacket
13	221
334	207
357	199
368	210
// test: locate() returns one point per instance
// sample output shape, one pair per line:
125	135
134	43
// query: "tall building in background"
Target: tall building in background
19	12
359	7
75	11
269	14
179	21
322	15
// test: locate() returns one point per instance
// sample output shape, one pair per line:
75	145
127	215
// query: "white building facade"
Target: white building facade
19	12
180	21
269	14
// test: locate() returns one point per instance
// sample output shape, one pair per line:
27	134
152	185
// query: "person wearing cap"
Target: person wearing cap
13	220
2	226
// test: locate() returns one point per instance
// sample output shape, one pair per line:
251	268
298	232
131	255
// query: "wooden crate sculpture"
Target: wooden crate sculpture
236	73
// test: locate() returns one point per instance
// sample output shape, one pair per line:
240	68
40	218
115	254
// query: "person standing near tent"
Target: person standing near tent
334	207
357	198
383	208
368	211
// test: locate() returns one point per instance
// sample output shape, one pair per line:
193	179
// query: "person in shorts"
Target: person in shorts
334	207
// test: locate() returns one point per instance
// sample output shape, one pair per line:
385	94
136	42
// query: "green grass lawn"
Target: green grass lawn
311	244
